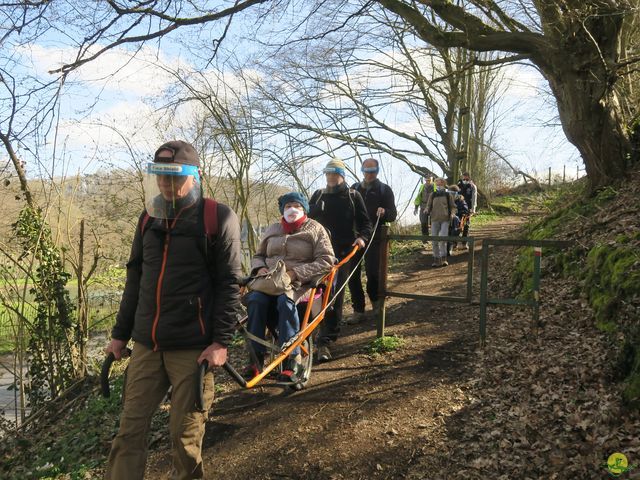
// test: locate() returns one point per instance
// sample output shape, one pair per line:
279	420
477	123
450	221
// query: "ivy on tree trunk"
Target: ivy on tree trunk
51	348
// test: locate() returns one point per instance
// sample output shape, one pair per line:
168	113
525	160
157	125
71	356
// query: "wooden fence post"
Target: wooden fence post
382	276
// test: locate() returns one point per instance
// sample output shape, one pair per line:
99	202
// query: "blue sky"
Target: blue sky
99	108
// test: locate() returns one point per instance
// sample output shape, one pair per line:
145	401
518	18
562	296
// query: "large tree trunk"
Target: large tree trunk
581	68
593	123
578	52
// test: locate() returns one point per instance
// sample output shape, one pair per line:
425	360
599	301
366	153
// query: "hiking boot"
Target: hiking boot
253	369
354	319
444	263
292	370
436	262
324	354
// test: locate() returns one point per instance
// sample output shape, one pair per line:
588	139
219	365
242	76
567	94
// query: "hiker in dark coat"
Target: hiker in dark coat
469	191
179	306
380	202
341	210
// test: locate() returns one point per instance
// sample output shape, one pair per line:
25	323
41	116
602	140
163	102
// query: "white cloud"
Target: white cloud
125	133
523	82
103	105
118	70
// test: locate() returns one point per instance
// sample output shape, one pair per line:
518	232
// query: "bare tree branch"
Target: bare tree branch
139	14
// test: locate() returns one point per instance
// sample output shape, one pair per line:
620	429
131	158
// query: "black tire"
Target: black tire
307	363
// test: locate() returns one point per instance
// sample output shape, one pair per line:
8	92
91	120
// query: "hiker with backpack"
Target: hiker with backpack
304	248
341	210
179	306
380	202
469	191
420	203
442	208
460	218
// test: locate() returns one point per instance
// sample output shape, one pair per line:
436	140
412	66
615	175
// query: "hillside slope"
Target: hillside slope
547	402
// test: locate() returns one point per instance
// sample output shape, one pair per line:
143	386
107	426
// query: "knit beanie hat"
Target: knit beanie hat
335	165
293	197
183	153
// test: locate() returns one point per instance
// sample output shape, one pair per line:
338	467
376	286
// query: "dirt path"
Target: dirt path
360	416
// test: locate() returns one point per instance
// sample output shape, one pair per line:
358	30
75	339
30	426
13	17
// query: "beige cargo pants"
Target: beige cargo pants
149	376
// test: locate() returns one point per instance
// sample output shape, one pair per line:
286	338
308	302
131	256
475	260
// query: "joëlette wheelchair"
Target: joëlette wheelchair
311	312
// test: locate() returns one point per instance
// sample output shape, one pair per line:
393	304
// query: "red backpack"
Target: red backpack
210	219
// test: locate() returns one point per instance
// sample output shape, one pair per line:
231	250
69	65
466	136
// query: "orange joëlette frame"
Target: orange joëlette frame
306	327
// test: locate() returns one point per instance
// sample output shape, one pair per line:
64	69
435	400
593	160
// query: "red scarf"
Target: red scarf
289	228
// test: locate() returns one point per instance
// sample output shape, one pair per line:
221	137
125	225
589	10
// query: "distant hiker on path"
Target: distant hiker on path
442	209
469	191
420	203
341	210
380	202
462	216
179	306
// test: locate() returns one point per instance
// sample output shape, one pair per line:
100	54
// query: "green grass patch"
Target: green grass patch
484	217
385	345
509	204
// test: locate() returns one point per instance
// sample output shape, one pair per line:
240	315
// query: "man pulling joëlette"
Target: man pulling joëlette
179	305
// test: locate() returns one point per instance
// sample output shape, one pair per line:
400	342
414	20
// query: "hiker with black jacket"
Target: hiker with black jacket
179	305
469	191
342	212
462	214
380	202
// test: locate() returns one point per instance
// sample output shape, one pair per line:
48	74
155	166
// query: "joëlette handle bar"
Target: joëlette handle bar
345	259
202	371
104	373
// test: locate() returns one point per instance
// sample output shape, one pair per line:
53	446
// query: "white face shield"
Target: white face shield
169	188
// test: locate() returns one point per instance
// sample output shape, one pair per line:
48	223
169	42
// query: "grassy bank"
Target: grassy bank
605	261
